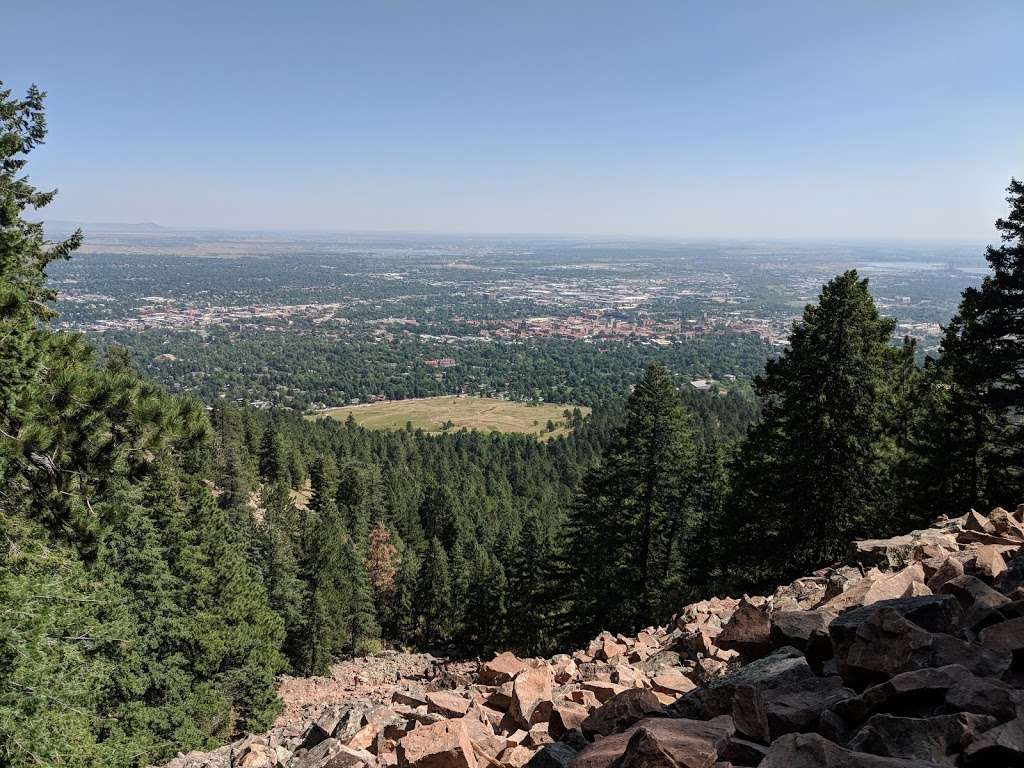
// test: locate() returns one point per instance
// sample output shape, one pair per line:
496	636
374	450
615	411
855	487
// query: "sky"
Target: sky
889	119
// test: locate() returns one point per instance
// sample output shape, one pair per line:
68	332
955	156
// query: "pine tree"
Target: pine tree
363	630
326	622
273	457
435	596
632	512
973	435
820	468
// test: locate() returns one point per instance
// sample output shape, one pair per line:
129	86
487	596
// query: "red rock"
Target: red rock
501	668
1004	636
621	711
442	745
976	522
887	644
516	756
977	599
673	682
809	750
988	562
602	690
333	754
609	649
676	743
746	632
938	739
538	736
565	716
586	698
951	568
531	697
254	755
447	704
603	752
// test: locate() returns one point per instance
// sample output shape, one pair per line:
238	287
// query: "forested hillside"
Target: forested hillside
162	560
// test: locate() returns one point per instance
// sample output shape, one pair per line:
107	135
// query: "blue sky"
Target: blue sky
730	119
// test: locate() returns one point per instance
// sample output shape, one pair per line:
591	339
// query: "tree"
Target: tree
435	596
973	438
820	468
632	511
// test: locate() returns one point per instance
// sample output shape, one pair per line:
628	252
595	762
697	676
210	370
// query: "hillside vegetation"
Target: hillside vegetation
156	576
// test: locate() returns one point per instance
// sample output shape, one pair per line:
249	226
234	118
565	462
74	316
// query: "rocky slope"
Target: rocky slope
910	655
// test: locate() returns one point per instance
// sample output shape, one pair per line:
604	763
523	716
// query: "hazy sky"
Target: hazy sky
873	119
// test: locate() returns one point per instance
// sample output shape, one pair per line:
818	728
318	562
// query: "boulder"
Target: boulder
516	756
501	668
975	597
565	716
742	752
1012	578
973	521
447	704
531	697
775	695
886	643
988	562
676	743
564	670
927	692
876	586
331	753
810	750
553	756
409	698
1004	636
900	551
795	628
602	690
673	683
746	632
603	752
254	754
1002	746
442	745
621	711
659	662
586	698
951	568
938	739
538	736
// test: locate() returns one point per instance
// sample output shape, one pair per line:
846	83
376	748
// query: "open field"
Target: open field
432	413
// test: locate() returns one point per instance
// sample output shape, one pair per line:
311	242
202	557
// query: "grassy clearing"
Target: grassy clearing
431	414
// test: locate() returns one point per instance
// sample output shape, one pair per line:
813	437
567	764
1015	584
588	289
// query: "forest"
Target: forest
163	560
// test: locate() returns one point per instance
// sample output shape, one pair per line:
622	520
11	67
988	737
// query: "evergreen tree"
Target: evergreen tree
435	596
633	509
326	623
273	457
363	630
821	467
973	436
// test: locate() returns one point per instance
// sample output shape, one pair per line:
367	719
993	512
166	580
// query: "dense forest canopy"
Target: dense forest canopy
162	560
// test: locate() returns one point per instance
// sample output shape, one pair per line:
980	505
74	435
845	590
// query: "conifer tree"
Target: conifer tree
435	596
820	468
363	630
973	435
633	510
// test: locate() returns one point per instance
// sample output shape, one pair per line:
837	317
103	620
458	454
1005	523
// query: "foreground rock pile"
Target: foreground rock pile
910	655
